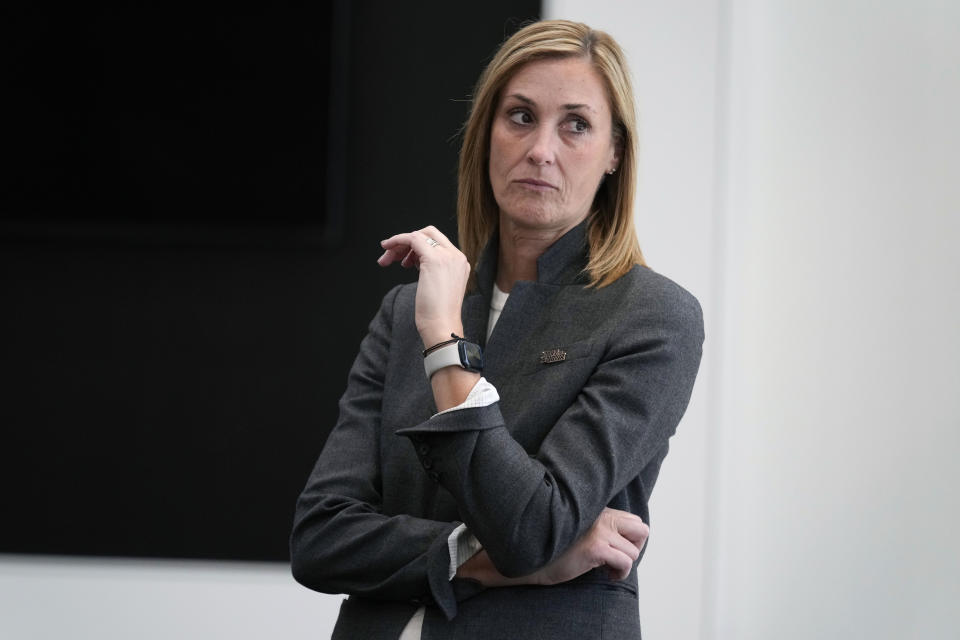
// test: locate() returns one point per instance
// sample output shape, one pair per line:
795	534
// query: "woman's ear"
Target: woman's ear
617	154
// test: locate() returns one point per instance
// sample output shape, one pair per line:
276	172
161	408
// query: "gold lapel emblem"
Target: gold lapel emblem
553	355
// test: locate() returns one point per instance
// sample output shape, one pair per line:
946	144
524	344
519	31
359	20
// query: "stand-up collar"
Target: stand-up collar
562	263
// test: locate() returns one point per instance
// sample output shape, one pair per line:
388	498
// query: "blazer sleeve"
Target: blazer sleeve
341	542
527	510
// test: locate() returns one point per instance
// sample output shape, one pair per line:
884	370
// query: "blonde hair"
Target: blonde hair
611	233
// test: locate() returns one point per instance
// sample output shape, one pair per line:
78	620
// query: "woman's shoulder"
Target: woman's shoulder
645	295
397	308
398	297
403	296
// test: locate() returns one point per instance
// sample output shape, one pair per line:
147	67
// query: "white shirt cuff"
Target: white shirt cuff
462	546
482	395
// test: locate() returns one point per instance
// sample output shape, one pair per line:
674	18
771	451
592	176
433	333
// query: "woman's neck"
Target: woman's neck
519	250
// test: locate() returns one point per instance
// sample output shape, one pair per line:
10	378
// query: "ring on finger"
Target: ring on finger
432	242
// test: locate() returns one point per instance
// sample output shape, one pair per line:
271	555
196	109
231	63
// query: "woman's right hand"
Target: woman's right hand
444	272
614	540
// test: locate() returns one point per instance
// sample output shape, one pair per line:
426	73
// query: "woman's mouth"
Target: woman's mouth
536	185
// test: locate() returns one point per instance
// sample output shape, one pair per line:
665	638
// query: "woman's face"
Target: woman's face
551	143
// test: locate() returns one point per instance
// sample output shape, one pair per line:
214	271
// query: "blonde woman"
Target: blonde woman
506	417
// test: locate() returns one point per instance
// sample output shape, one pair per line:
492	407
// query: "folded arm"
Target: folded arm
618	424
526	510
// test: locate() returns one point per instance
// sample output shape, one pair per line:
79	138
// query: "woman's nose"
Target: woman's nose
542	147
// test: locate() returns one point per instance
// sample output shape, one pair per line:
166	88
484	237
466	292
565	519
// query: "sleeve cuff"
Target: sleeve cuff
444	591
481	395
468	419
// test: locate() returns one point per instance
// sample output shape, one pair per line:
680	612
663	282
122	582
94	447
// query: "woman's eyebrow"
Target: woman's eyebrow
568	107
522	98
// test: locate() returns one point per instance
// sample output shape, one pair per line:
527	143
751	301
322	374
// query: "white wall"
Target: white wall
840	411
801	177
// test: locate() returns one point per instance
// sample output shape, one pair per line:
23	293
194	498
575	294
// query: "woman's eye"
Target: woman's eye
520	117
576	125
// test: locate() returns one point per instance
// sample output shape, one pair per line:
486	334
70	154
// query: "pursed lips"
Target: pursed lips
537	185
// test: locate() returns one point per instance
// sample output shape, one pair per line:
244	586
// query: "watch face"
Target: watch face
471	356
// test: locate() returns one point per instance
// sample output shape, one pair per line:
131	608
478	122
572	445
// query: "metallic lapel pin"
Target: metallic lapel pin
553	355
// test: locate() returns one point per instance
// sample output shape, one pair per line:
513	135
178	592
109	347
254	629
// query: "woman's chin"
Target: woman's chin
538	218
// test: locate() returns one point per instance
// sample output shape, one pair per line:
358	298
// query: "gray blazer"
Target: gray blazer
528	475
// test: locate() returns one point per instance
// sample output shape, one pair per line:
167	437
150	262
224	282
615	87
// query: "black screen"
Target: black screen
148	115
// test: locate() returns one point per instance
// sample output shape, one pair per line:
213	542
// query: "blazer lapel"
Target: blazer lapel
529	303
521	316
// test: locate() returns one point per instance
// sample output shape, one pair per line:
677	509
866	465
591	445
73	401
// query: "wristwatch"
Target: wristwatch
456	352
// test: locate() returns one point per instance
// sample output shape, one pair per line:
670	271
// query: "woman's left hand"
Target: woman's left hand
615	540
444	272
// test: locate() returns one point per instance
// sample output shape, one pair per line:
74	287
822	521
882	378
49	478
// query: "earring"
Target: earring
612	171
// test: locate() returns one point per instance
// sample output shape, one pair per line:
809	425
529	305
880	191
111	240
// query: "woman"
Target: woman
507	498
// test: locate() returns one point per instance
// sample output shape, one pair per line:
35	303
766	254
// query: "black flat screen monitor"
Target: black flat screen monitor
142	119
